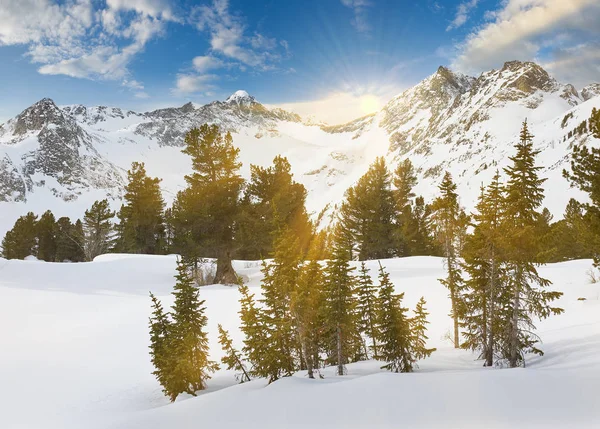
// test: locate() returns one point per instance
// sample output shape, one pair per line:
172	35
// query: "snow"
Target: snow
75	354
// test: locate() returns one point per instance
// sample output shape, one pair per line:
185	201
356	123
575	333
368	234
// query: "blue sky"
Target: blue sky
336	59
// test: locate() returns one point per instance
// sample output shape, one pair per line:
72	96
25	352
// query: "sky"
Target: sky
334	60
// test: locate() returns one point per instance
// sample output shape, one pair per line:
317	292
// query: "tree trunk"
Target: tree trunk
514	334
340	355
225	274
491	314
455	317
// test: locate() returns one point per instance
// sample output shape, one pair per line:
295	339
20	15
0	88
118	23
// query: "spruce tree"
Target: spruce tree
160	328
272	201
306	306
46	234
528	297
339	307
232	357
69	245
21	240
97	230
367	308
141	227
279	283
367	214
450	229
188	343
418	332
394	328
404	181
255	336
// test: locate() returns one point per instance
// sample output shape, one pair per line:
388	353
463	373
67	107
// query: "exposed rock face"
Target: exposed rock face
590	91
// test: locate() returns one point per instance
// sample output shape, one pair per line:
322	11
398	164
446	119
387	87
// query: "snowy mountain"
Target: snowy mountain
63	158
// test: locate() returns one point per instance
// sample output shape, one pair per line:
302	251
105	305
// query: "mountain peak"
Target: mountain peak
241	97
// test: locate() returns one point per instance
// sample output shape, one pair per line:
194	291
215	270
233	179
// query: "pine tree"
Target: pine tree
394	328
69	245
420	230
306	306
232	357
450	229
272	201
160	328
46	233
367	214
97	230
21	240
418	332
255	337
523	197
367	308
404	182
205	213
339	307
279	283
188	345
141	228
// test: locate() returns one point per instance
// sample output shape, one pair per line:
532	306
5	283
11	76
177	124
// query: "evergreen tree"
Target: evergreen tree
272	201
232	357
188	343
367	214
141	228
306	305
205	213
69	245
404	181
339	307
97	230
571	236
160	328
21	240
255	337
279	283
394	328
46	233
450	229
420	230
523	197
367	308
418	328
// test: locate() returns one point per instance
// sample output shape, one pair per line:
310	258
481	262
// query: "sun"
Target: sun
369	104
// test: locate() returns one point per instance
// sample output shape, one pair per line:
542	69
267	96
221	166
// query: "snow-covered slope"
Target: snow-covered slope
75	355
63	158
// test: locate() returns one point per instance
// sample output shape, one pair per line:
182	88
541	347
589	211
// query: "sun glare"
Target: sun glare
369	104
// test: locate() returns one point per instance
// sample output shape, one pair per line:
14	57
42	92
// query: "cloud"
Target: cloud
228	38
578	64
77	39
230	47
528	30
462	14
192	83
360	20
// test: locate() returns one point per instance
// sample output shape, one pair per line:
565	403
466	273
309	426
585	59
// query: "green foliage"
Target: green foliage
204	215
394	328
367	214
141	227
450	223
69	240
232	356
367	307
342	338
160	328
418	329
21	240
97	230
272	201
520	229
255	338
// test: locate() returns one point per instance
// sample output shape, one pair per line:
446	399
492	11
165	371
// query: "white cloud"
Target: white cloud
462	14
75	38
521	29
192	83
205	63
360	19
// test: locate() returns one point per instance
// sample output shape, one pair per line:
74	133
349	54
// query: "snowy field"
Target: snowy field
74	355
